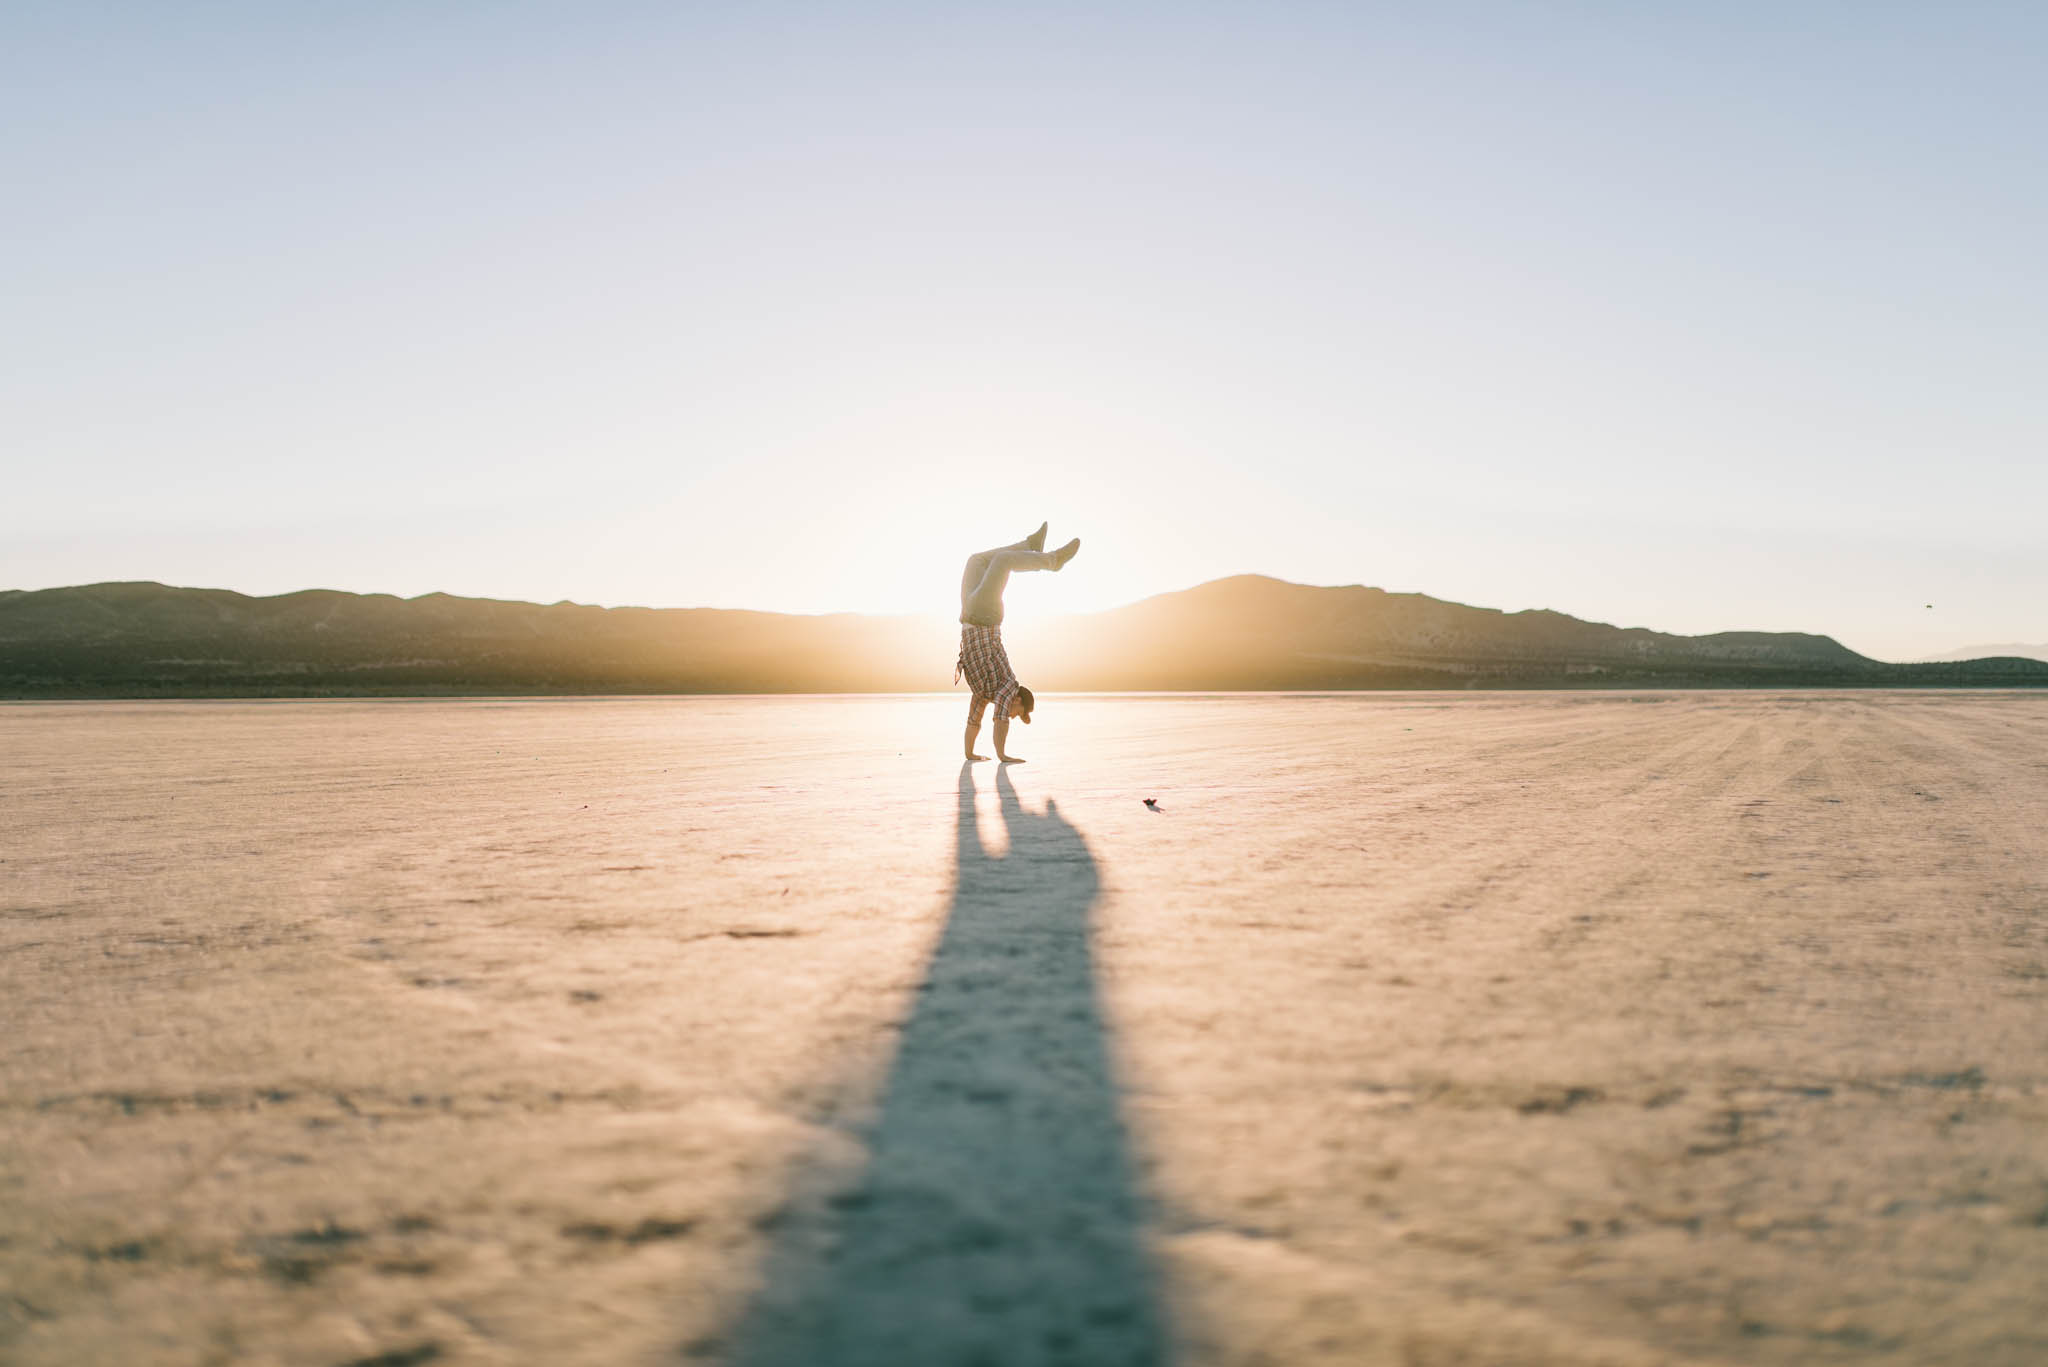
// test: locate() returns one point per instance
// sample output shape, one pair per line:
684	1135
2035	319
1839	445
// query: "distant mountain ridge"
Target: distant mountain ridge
2013	650
1249	627
1246	632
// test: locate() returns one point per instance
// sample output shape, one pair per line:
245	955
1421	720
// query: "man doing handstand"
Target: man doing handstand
982	658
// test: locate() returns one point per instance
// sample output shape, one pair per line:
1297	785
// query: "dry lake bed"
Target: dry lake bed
1516	1028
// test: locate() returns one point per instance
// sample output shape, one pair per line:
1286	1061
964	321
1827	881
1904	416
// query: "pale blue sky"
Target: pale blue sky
1697	317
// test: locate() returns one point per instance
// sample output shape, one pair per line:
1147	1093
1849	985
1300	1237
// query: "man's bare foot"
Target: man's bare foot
1065	553
1036	541
974	757
1011	759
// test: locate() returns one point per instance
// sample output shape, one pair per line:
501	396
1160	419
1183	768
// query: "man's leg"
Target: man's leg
978	566
983	601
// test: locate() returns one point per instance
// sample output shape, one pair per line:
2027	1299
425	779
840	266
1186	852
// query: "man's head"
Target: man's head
1021	704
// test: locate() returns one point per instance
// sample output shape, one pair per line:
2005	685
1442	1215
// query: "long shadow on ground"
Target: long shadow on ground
998	1220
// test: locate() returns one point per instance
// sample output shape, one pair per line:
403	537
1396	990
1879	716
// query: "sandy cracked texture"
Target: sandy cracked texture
1529	1028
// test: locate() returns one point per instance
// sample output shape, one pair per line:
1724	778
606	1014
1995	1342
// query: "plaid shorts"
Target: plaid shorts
986	666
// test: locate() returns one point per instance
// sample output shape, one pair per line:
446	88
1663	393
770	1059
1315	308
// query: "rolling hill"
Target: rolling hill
2015	650
1247	632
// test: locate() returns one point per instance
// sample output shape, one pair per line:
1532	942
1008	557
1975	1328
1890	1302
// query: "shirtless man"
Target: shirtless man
982	658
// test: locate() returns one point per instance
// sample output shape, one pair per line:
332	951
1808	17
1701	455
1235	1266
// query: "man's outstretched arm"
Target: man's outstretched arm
1003	734
973	730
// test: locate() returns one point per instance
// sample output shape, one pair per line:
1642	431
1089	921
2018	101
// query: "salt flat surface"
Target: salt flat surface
1530	1028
